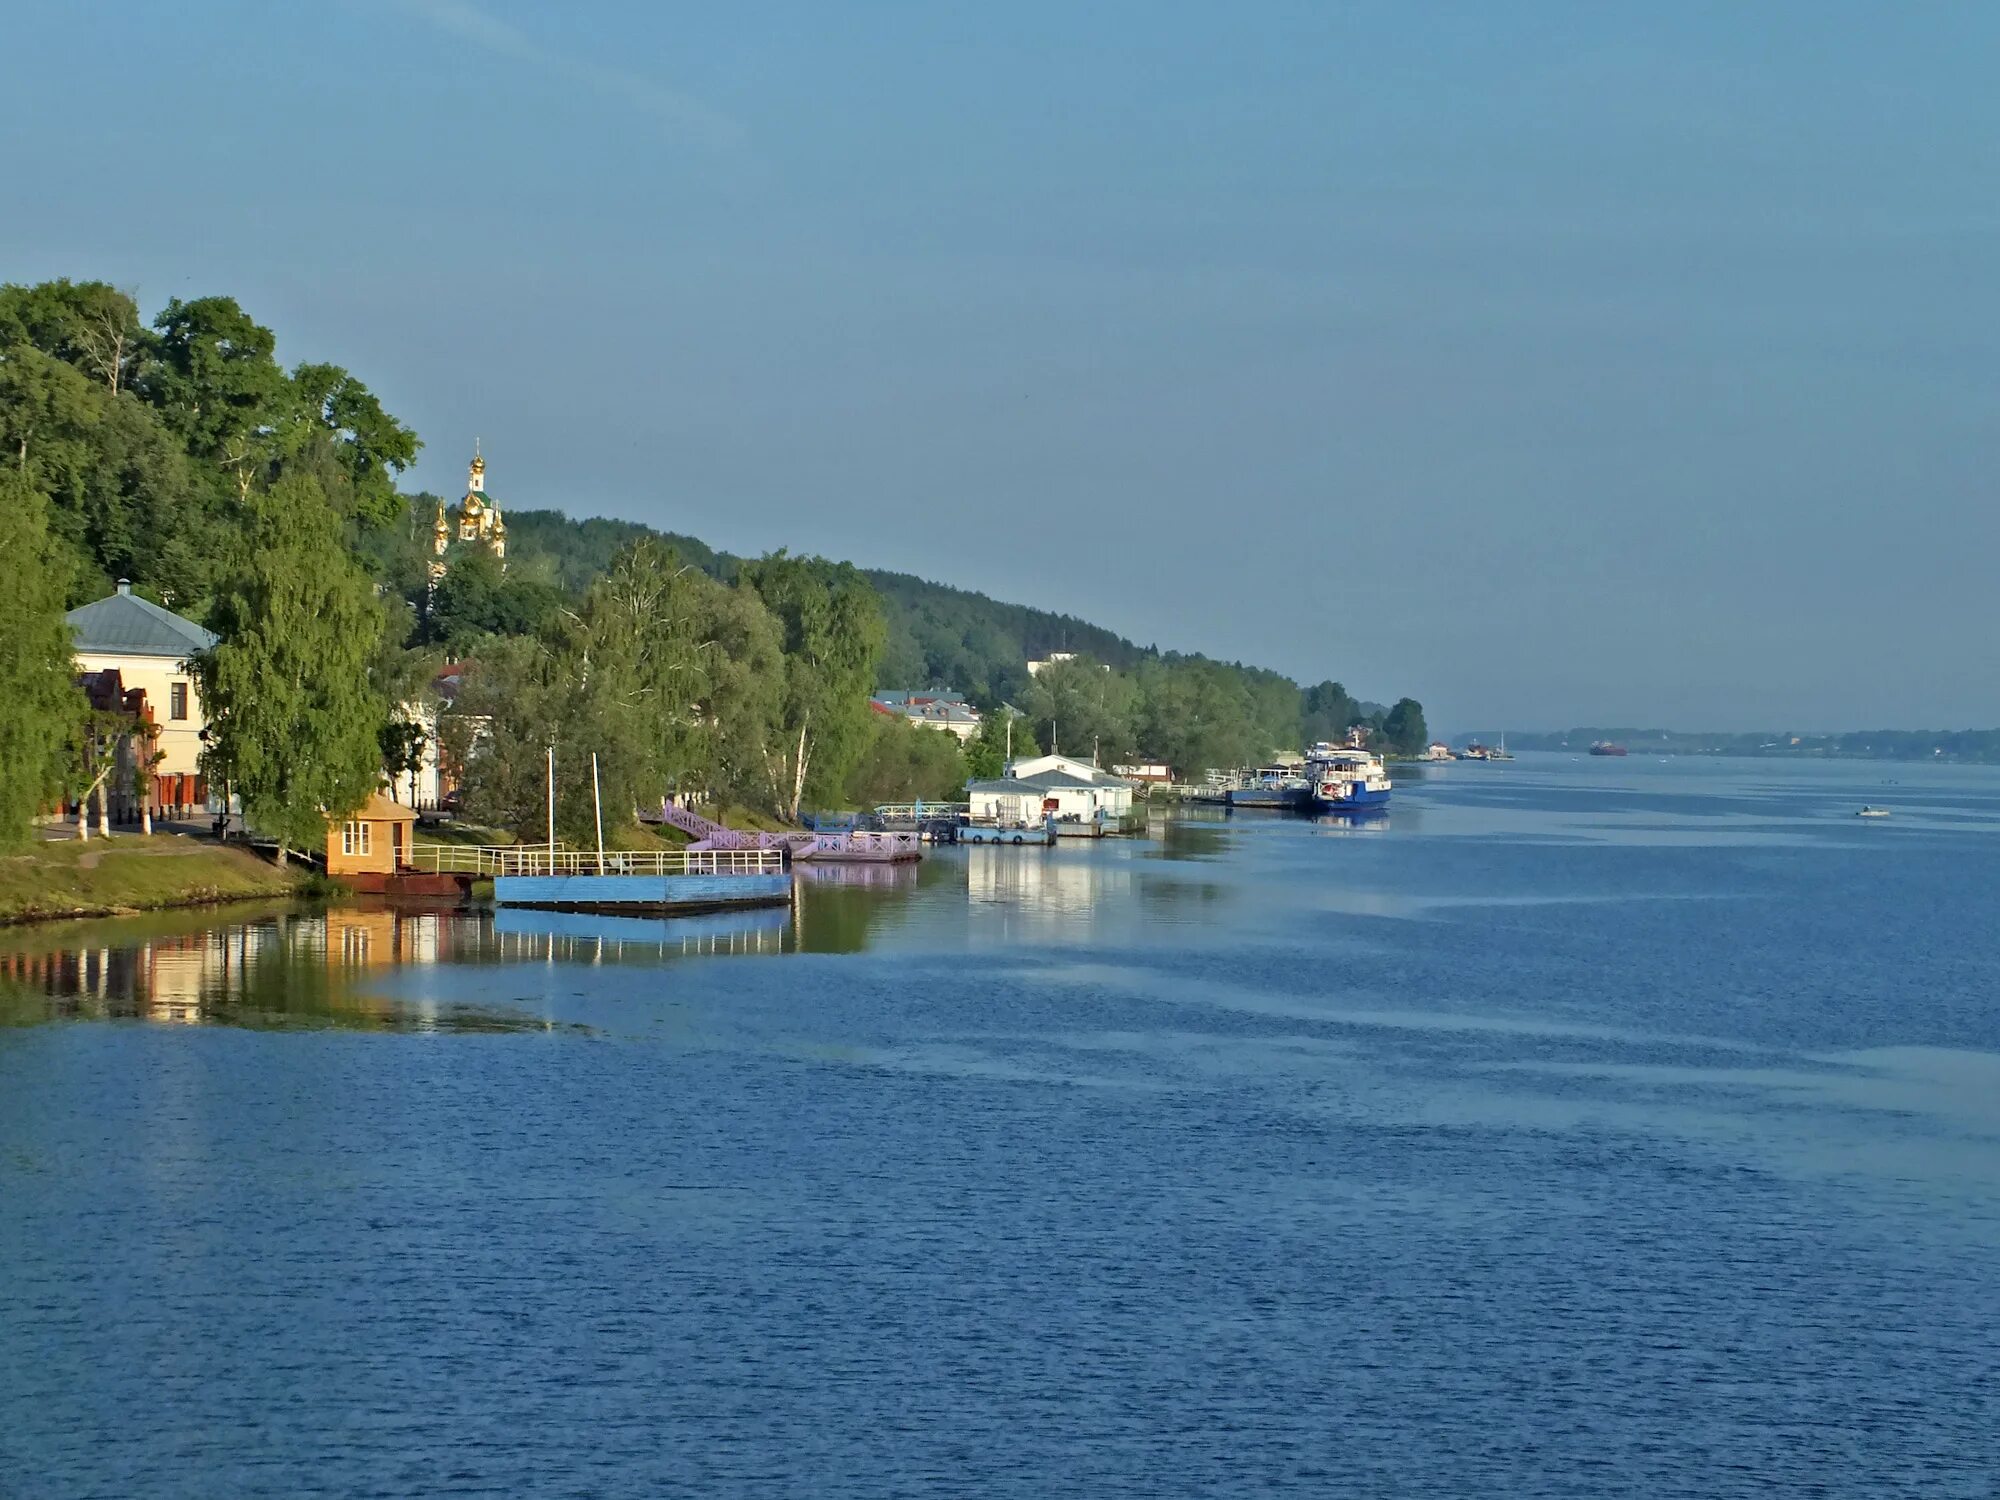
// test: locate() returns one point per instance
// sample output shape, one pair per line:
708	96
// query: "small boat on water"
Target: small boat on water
1873	812
1607	747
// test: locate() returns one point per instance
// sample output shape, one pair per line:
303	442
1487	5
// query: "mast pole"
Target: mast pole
597	803
552	809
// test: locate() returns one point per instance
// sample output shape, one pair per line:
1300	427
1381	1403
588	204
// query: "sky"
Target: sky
1589	363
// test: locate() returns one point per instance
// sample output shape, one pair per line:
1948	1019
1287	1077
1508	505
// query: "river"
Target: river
1582	1128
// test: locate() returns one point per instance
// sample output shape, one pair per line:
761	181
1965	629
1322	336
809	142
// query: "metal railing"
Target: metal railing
865	844
901	812
494	860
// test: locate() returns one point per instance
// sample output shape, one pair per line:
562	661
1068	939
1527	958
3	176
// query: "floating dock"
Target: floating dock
1285	798
861	847
995	833
663	881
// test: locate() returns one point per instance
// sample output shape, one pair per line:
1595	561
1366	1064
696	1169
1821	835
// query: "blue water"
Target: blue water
1584	1128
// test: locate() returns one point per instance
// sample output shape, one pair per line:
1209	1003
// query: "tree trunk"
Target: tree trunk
83	818
799	774
281	854
103	811
146	815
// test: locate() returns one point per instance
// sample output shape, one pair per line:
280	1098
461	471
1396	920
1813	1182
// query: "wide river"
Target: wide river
1583	1128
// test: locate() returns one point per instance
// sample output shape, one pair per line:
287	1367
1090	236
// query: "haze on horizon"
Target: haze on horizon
1555	364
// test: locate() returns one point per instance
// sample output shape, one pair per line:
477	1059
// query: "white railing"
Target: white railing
901	811
492	860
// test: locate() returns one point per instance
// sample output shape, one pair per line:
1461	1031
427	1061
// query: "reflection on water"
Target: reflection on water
289	969
899	876
339	967
1673	1153
592	937
1367	822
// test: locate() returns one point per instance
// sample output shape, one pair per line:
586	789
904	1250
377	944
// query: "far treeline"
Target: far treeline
1977	745
263	502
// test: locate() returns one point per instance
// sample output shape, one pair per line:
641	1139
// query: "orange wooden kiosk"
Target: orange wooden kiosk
370	851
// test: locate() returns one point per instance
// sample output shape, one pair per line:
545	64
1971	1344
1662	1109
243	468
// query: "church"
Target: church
479	522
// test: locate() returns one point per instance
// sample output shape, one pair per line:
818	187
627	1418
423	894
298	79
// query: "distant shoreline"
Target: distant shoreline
1935	746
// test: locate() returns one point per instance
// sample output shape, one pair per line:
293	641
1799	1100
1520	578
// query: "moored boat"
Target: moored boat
1344	780
1270	786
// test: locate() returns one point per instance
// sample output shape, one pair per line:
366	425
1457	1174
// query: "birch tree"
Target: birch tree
293	716
833	634
40	704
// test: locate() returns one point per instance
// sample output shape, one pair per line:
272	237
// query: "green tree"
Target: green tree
515	704
832	635
478	599
217	386
902	762
636	656
294	721
1326	710
368	447
41	708
742	697
987	753
1082	707
1404	728
403	740
656	675
1197	715
89	325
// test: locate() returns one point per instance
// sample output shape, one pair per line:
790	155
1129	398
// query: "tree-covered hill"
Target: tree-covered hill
263	501
938	636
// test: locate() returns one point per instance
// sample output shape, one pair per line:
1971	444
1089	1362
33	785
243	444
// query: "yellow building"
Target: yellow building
149	648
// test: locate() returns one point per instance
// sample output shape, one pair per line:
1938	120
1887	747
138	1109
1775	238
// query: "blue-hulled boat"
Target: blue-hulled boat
1346	780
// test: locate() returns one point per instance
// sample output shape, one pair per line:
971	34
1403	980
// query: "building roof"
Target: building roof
381	809
1041	781
126	625
1081	774
1053	779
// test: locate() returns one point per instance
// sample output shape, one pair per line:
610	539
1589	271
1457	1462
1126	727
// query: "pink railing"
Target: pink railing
709	834
864	843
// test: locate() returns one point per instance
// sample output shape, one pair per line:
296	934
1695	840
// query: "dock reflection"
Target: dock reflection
589	937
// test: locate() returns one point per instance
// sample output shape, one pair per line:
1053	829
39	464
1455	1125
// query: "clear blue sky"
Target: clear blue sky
1568	363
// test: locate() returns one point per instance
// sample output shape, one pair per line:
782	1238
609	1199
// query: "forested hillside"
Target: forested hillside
263	501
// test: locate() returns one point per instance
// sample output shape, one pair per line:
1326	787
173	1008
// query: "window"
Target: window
355	838
177	701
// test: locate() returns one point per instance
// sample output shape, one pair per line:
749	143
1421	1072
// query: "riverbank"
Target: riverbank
130	873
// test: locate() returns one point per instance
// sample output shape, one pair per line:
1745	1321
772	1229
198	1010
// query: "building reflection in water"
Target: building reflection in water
323	968
1046	893
1351	825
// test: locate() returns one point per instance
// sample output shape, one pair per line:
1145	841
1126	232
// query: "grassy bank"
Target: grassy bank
128	873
